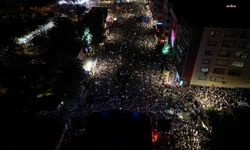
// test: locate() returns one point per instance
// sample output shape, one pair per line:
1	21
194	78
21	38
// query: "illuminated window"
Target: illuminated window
240	54
204	70
227	43
221	62
216	79
219	70
209	52
212	43
232	33
213	33
238	64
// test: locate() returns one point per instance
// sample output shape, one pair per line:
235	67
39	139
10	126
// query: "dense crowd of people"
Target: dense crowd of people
129	76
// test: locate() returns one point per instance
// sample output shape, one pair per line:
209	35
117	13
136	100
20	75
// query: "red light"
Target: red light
162	41
155	136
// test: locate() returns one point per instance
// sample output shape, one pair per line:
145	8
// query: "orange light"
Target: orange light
161	41
155	136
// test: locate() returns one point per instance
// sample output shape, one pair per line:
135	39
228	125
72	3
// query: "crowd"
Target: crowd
129	76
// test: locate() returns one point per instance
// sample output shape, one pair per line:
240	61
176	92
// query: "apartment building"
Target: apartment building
217	41
223	58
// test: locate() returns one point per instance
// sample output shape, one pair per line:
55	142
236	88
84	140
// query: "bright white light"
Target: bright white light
88	65
27	38
180	116
86	3
159	23
181	83
204	126
22	40
76	2
231	6
62	2
48	26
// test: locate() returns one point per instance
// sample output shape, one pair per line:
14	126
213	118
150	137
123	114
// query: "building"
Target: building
174	32
164	17
222	58
181	41
218	53
160	9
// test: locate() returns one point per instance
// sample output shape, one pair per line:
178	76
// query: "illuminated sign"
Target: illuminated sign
172	38
165	49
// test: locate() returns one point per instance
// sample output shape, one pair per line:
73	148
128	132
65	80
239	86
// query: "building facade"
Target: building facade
181	41
174	32
222	58
160	9
163	17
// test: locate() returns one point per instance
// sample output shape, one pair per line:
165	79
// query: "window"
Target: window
212	43
244	45
225	53
234	72
209	52
245	35
204	70
240	54
232	33
238	64
213	33
216	79
206	61
221	62
202	77
219	70
227	43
